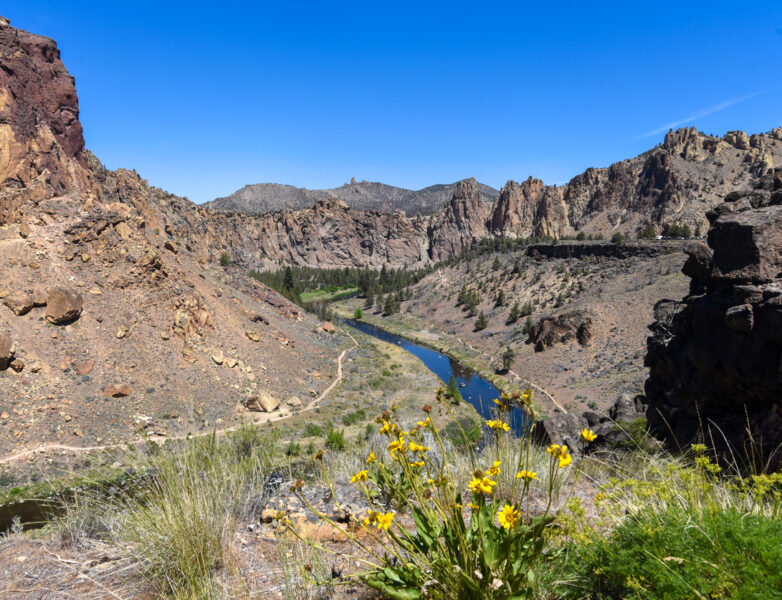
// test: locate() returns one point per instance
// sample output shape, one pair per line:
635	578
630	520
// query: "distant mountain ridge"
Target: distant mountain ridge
262	198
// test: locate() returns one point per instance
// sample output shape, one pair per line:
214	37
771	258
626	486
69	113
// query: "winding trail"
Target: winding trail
260	419
529	383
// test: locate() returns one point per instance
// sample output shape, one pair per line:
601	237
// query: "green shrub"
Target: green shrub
313	430
358	314
225	259
292	449
354	417
335	440
679	555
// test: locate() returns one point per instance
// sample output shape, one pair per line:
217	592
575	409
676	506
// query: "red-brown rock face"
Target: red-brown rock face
41	143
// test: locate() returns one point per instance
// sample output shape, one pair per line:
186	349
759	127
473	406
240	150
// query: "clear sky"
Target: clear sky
202	98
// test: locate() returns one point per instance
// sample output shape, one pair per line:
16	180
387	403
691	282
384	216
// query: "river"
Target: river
476	390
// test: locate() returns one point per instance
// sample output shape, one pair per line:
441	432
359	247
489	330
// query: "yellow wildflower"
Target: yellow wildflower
387	428
508	516
483	485
417	447
371	518
473	506
418	463
498	424
588	435
526	475
384	520
360	476
426	423
495	468
561	453
502	405
371	458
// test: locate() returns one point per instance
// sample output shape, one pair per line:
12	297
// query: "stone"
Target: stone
263	402
122	332
7	351
294	402
20	303
84	367
117	390
171	247
63	305
562	429
231	363
561	329
252	335
740	318
39	297
218	357
35	366
747	245
329	327
17	365
699	262
123	230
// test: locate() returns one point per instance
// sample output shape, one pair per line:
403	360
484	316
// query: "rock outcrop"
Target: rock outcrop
715	357
561	329
63	305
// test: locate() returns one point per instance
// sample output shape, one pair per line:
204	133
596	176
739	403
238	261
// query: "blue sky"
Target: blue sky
202	98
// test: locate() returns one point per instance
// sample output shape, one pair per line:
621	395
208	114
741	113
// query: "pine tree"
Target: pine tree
500	300
495	266
515	312
481	322
370	301
507	359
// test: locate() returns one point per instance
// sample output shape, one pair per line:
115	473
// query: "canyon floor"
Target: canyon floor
618	294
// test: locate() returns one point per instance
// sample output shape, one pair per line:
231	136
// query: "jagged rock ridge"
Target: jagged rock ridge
262	198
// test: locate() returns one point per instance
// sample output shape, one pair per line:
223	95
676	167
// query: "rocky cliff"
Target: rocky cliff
114	321
676	182
715	357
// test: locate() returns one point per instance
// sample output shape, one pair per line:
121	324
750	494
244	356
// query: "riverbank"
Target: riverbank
412	328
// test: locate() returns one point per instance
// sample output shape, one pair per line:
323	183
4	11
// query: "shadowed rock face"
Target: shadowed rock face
561	329
715	357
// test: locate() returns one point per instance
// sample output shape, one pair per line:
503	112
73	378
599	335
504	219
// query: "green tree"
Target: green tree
481	322
358	314
507	359
370	301
515	312
500	300
647	233
581	236
225	259
495	266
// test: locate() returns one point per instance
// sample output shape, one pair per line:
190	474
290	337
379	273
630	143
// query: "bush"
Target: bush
335	440
354	417
313	430
677	555
358	314
225	259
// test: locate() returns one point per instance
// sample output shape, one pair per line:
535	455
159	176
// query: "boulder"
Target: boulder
218	357
740	318
7	351
294	402
562	429
748	245
263	402
699	262
329	327
63	305
20	302
561	329
117	390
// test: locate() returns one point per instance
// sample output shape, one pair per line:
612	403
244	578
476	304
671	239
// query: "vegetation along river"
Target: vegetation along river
476	390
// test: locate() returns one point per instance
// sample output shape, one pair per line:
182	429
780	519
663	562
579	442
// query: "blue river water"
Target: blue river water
474	389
